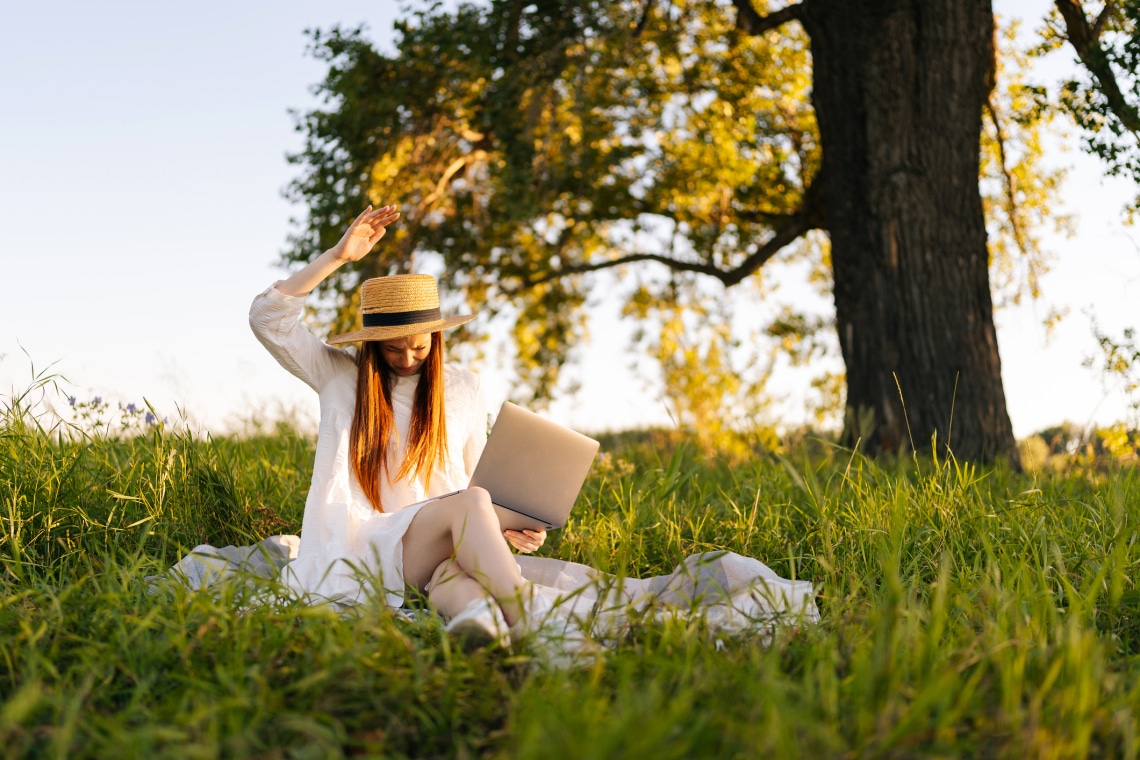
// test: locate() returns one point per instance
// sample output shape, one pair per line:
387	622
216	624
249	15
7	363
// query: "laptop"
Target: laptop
533	468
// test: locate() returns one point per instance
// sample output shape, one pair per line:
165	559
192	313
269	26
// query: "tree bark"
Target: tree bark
899	87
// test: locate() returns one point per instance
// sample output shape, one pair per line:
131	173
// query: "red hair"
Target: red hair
373	438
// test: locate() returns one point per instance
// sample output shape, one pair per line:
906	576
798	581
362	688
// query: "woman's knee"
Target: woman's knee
477	503
474	510
479	495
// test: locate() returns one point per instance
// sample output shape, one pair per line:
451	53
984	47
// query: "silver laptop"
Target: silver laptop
533	468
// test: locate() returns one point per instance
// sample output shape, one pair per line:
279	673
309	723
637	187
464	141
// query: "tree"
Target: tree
899	91
535	143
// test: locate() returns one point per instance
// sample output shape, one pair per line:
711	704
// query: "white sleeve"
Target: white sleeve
477	433
276	321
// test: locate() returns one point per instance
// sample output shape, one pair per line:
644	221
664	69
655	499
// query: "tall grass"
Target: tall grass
966	612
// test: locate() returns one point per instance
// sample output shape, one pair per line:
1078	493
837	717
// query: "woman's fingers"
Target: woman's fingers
383	211
372	217
364	232
521	541
378	220
378	225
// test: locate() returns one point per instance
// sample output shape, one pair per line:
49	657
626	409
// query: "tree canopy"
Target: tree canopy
533	144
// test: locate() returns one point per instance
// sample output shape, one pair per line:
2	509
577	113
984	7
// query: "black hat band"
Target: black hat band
400	318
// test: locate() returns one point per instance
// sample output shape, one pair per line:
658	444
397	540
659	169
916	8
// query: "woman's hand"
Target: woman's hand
364	232
526	541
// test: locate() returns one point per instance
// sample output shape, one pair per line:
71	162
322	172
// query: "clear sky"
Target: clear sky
141	169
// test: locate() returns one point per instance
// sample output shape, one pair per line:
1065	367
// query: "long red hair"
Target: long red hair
372	439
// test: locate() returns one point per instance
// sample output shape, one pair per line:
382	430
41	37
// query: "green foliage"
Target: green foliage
1020	192
71	494
1119	363
965	612
1075	451
1104	96
530	144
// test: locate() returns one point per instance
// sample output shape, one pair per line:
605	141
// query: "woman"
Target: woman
399	437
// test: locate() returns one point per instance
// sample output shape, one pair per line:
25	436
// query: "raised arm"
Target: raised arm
364	232
275	314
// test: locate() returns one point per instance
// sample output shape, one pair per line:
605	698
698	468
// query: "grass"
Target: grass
966	612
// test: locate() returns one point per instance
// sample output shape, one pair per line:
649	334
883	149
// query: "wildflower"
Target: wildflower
150	418
98	400
131	409
71	400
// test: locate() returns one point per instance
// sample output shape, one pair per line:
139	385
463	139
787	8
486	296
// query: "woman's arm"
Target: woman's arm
364	232
275	314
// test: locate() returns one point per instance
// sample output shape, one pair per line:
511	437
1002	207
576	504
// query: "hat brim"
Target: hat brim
400	331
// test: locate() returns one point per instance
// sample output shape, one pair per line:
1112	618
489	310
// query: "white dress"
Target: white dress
346	545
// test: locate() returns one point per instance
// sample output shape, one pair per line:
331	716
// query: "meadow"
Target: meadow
966	611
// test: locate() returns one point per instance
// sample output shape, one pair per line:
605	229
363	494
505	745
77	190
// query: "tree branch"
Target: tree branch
445	180
594	266
809	217
511	39
767	218
641	22
751	22
1085	41
1106	13
1011	209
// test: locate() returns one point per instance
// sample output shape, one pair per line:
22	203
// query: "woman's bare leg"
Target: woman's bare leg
452	589
464	526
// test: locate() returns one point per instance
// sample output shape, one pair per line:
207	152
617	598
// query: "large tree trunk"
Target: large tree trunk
898	91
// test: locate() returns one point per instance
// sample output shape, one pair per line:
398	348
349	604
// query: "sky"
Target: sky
141	173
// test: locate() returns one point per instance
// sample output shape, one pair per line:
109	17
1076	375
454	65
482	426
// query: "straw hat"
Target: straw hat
400	305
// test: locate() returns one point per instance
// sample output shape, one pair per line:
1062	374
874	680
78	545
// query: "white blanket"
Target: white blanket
733	594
